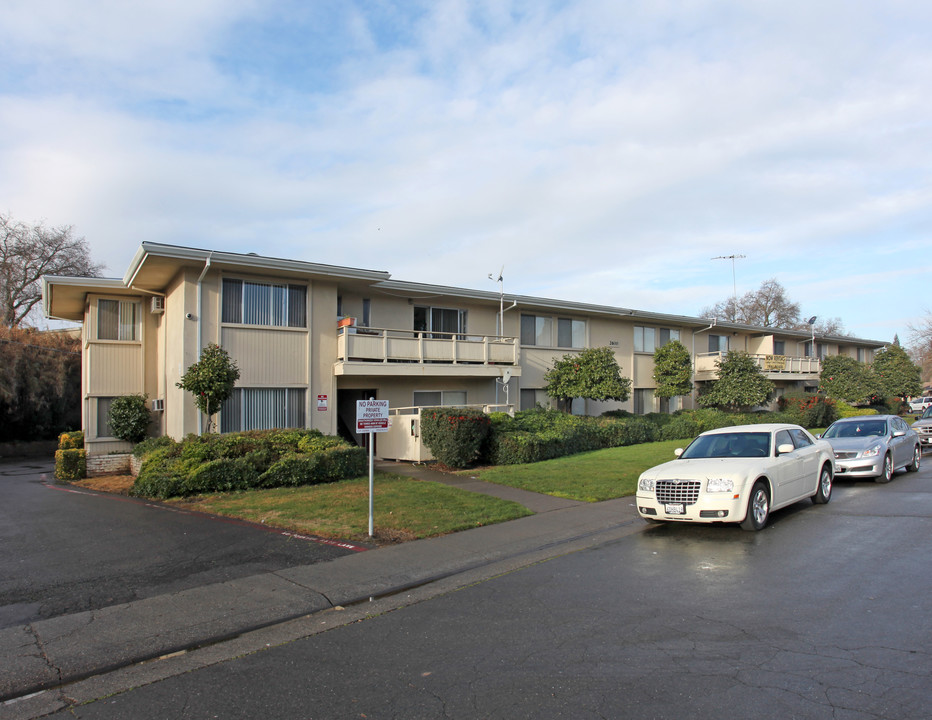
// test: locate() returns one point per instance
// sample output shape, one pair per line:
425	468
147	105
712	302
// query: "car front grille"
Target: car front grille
924	429
845	454
677	491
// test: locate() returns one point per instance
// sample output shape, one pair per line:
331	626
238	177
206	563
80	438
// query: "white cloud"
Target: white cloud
602	152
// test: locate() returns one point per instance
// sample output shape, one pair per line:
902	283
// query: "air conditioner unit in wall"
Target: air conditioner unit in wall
158	404
158	304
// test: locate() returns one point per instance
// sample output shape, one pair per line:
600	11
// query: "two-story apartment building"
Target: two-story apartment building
311	339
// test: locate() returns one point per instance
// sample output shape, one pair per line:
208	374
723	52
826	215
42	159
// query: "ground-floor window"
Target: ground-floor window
439	398
263	409
103	429
534	397
643	401
671	405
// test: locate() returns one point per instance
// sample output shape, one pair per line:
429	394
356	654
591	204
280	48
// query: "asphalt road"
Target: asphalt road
67	550
827	613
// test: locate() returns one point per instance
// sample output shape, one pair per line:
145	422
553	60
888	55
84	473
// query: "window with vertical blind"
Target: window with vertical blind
103	417
571	333
263	409
116	319
537	330
648	339
254	303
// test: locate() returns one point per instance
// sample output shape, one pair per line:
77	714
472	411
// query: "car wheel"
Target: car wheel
824	493
917	458
887	473
758	508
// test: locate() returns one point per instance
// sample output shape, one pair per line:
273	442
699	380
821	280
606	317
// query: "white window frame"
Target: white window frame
244	410
272	304
448	398
126	325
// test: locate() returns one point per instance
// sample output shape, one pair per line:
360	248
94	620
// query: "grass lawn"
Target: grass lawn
590	477
404	509
409	509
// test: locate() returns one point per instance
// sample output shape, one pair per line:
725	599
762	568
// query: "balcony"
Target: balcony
387	352
774	367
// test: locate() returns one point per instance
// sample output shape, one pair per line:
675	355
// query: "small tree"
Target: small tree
845	378
741	384
672	370
593	374
210	380
897	376
129	417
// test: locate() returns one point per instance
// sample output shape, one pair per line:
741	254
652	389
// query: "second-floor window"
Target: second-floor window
648	339
116	319
255	303
440	322
571	333
718	343
779	347
536	330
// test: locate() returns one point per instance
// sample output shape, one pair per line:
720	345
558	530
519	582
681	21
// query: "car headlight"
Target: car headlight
715	485
646	484
872	451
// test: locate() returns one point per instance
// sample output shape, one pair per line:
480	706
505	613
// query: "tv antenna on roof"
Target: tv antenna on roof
734	283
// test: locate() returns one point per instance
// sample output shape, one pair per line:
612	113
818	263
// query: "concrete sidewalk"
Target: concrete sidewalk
61	653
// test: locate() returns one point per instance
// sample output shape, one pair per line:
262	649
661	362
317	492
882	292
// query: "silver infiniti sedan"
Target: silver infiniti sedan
873	446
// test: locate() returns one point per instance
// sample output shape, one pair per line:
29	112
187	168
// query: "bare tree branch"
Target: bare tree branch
27	252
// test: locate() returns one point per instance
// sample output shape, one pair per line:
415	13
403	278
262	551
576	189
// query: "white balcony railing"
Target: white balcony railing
382	345
773	366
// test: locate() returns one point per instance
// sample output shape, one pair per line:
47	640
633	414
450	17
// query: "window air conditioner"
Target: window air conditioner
158	404
158	304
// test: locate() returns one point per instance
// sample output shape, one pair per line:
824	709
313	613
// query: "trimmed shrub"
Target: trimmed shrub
808	410
71	440
455	436
70	464
129	417
143	448
221	475
846	410
238	461
680	427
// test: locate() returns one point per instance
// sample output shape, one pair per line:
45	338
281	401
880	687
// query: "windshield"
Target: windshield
861	428
721	445
927	413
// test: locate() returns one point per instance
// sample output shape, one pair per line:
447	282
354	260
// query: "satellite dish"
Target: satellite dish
506	376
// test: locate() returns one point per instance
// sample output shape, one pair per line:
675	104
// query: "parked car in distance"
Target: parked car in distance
923	428
873	446
738	474
920	404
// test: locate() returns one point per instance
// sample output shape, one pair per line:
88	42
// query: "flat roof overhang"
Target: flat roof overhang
64	298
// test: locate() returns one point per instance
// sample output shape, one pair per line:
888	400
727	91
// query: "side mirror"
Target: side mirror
678	452
898	433
785	448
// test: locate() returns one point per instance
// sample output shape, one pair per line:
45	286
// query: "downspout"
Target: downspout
200	325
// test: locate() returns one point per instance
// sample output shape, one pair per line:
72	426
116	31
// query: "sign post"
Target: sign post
371	417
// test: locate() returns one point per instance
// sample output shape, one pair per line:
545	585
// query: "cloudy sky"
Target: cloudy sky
601	151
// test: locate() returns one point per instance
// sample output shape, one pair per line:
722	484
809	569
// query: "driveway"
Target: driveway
67	550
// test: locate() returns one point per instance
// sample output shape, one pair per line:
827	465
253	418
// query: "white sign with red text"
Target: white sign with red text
371	416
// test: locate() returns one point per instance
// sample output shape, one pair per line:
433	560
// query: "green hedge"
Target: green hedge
70	464
456	436
71	440
239	461
542	434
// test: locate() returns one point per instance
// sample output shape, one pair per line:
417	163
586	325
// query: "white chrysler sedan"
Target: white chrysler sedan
738	474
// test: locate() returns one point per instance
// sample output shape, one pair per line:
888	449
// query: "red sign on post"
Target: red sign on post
371	416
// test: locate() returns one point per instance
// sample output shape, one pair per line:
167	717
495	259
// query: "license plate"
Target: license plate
674	509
